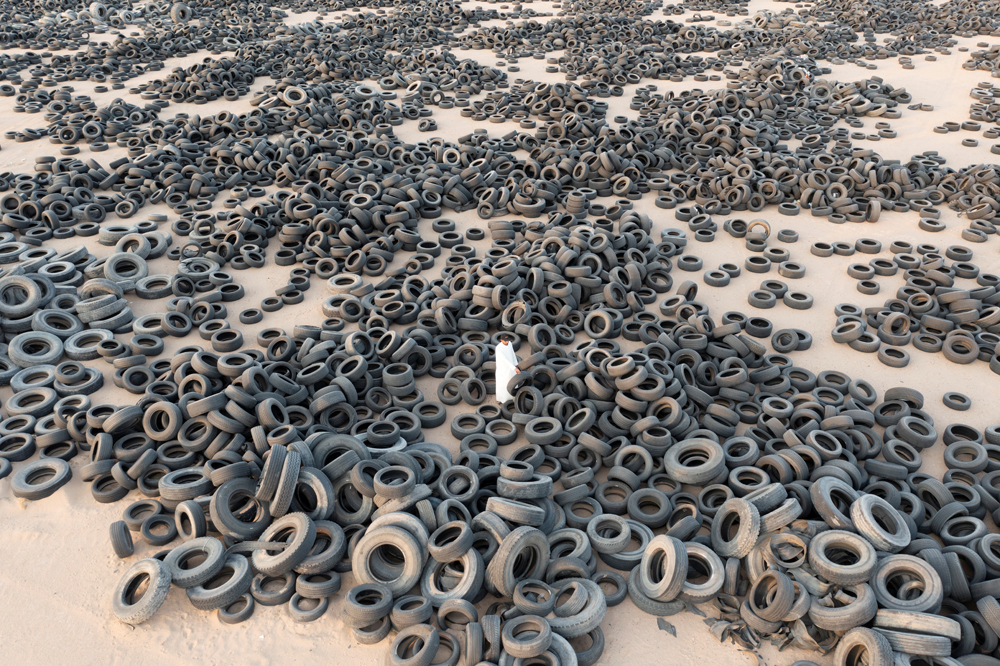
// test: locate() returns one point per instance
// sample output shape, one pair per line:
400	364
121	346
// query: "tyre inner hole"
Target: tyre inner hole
39	477
730	526
699	570
904	586
159	527
649	507
238	606
220	578
306	604
136	589
842	556
391	560
271	584
524	563
306	498
656	567
764	594
637	540
192	560
885	520
244	507
614	494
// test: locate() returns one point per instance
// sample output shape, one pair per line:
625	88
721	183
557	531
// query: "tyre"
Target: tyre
184	575
327	549
864	646
40	479
466	588
318	586
121	539
135	610
369	563
647	605
703	560
229	494
303	609
587	619
517	544
739	516
234	580
837	541
180	13
263	590
298	531
415	645
663	569
238	611
845	617
189	518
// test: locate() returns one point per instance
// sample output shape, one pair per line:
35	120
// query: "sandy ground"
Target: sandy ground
58	566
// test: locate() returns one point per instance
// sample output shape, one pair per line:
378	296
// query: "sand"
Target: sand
58	569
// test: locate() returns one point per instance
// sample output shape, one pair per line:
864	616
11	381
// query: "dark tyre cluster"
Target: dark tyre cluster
652	448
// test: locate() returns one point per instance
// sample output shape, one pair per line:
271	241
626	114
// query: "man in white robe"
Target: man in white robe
506	362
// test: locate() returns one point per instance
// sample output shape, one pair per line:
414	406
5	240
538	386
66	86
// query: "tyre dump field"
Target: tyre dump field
255	261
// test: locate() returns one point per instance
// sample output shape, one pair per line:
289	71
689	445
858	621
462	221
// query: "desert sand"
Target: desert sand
58	569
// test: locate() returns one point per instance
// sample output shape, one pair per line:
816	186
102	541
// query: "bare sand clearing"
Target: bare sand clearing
58	569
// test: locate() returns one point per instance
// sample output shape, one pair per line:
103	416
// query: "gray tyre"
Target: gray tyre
121	539
185	576
135	610
235	577
298	531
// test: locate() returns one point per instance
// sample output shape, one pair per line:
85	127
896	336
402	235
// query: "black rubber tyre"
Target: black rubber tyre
538	640
302	609
372	633
647	605
466	588
213	557
419	641
873	517
491	637
932	591
621	587
121	539
714	571
298	531
534	597
40	479
367	553
860	643
189	517
663	569
515	545
411	610
771	596
271	474
286	485
238	611
735	511
858	572
158	539
366	604
136	611
273	597
589	618
318	586
137	512
223	518
450	541
235	576
327	550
